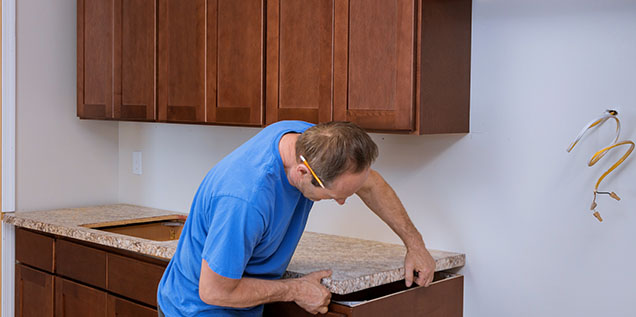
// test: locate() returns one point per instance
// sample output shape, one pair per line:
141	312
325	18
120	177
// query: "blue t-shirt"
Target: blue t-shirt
245	221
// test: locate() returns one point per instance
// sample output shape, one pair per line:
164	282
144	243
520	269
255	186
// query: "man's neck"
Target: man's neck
287	150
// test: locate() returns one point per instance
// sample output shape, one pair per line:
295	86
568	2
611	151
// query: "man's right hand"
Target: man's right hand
311	295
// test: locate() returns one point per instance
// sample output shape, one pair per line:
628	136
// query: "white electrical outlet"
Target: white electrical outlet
136	163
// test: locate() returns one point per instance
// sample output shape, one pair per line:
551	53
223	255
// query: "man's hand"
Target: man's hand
311	295
419	260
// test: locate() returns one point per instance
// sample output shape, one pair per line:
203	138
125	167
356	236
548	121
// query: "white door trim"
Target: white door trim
8	152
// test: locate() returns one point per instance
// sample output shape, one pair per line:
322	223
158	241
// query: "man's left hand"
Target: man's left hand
418	260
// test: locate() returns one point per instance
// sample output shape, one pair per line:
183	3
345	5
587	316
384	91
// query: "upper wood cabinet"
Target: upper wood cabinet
116	59
403	65
388	65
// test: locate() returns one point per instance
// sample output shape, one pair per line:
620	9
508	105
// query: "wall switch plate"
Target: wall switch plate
136	165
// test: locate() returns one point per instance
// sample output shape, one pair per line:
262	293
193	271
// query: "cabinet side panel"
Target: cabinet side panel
445	66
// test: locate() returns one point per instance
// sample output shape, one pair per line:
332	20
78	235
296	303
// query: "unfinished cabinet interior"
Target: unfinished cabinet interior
116	59
398	66
64	277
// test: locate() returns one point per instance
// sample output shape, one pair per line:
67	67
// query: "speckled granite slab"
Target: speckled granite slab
68	223
356	264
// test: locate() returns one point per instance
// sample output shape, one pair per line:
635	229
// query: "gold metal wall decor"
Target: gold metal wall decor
608	114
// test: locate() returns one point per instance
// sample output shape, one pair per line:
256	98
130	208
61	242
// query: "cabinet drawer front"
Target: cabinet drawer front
133	278
121	307
34	249
81	263
443	298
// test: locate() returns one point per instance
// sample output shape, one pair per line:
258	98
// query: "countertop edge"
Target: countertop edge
142	246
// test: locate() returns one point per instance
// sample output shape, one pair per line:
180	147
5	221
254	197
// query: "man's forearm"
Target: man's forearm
378	195
251	292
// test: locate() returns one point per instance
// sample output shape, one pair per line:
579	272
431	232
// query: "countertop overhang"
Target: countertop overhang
356	264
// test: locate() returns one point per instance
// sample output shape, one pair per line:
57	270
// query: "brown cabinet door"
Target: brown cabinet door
134	59
116	59
235	46
33	292
73	299
374	58
300	60
122	308
95	23
181	76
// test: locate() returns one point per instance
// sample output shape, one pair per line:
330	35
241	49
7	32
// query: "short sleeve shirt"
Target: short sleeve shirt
245	221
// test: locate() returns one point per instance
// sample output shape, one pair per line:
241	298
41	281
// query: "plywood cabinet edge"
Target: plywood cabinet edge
443	74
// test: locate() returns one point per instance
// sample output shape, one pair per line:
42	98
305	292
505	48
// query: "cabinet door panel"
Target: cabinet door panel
73	299
300	69
182	60
123	308
135	59
33	292
235	61
380	75
95	20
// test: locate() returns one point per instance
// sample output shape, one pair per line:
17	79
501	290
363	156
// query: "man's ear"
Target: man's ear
302	169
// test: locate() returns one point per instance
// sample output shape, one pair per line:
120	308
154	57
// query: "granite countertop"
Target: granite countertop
356	264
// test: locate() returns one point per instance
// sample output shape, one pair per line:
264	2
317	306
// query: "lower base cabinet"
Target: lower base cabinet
444	297
41	294
59	276
63	277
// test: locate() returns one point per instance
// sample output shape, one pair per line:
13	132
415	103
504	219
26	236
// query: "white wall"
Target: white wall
507	194
60	160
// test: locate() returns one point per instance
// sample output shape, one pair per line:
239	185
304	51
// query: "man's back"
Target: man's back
245	220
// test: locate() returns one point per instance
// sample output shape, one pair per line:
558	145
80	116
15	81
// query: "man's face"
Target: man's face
339	190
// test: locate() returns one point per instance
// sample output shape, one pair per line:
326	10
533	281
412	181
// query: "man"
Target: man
251	209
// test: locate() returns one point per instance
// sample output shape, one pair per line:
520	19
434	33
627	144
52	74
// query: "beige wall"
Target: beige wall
60	160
